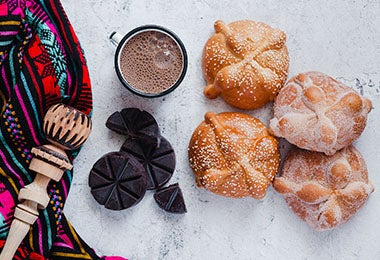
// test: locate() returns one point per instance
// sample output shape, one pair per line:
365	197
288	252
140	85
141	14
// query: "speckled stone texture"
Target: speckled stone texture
339	38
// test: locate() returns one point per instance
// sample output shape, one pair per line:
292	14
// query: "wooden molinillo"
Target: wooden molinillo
66	128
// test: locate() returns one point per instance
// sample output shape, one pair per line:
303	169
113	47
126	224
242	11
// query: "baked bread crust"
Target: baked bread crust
315	112
245	62
233	155
325	191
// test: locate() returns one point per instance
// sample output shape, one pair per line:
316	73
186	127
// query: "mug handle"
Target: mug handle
115	38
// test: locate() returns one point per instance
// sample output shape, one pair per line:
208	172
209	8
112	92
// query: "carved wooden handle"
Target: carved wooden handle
66	128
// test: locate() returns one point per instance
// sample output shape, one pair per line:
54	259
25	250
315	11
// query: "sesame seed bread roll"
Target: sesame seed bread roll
324	191
233	155
245	62
315	112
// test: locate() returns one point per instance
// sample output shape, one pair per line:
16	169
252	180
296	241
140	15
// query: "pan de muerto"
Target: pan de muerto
315	112
245	62
233	155
325	191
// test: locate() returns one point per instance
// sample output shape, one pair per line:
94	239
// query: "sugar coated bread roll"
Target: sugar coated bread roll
245	62
325	191
233	155
318	113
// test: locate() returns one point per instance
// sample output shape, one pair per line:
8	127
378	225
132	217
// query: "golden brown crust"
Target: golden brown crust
315	112
233	155
325	191
245	62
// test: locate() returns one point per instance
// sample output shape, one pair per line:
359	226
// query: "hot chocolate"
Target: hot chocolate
151	61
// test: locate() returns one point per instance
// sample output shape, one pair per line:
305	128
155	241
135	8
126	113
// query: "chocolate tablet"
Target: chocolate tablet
135	123
117	181
171	199
159	163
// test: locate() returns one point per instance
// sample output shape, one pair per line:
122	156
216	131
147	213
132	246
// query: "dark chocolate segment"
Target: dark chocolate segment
117	181
135	123
171	199
159	163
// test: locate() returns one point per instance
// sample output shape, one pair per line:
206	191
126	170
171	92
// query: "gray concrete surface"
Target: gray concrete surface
340	38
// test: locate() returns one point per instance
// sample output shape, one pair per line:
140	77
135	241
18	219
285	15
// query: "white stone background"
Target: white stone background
340	38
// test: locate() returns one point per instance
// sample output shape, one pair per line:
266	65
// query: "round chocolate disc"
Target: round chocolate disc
159	162
117	181
135	123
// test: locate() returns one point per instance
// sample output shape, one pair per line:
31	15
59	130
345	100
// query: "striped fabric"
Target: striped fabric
41	64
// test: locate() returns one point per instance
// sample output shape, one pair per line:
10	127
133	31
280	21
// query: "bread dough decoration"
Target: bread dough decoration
233	155
325	191
315	112
245	62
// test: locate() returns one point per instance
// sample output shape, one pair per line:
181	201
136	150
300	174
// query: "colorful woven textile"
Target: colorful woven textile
41	64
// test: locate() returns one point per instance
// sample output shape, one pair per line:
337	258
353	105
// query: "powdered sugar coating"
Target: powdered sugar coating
325	191
233	155
245	62
318	113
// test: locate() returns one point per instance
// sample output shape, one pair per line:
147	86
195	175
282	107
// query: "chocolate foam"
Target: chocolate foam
151	61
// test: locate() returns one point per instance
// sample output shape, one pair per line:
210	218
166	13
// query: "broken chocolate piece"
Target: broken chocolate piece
171	199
